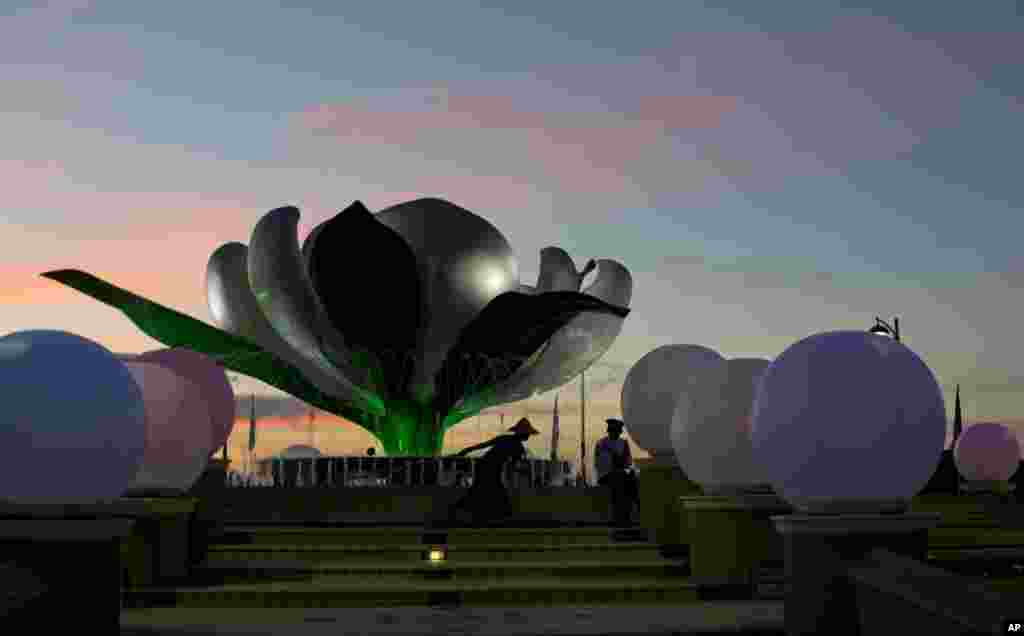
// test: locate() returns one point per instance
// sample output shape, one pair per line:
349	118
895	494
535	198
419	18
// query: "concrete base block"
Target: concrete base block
819	549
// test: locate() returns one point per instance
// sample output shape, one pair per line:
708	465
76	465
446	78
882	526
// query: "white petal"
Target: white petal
236	310
557	272
568	353
284	293
613	283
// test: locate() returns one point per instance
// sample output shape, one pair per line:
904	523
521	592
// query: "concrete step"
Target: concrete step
384	593
230	572
404	535
385	553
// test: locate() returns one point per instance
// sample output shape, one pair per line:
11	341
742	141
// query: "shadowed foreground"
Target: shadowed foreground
706	618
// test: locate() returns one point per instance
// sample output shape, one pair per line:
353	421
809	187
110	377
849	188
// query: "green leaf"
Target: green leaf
175	329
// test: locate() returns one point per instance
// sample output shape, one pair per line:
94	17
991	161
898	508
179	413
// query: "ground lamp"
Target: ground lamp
986	456
848	426
437	554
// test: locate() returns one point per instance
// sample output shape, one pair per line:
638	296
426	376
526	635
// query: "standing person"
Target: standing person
613	460
487	498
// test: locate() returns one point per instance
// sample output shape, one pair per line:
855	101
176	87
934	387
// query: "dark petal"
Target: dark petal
504	335
366	278
175	329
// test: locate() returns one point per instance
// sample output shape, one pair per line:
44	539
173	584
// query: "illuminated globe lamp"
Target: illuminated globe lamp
711	431
836	403
74	427
728	528
848	426
178	432
986	456
654	386
650	393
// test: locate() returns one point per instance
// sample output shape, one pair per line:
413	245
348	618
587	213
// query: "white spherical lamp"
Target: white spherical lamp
74	424
848	421
711	430
178	431
987	452
653	387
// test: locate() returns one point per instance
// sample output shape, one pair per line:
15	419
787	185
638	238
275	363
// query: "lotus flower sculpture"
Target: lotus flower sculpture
404	322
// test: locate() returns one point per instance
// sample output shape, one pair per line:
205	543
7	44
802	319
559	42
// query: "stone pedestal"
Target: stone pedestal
820	598
662	482
78	564
157	548
730	537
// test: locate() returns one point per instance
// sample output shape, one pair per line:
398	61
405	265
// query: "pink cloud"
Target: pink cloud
685	111
589	152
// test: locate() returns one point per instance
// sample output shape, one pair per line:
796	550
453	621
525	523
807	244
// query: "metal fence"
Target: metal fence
362	472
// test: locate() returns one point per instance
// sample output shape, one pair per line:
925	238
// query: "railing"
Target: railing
357	472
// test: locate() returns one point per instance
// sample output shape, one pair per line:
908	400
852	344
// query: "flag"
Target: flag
554	433
252	422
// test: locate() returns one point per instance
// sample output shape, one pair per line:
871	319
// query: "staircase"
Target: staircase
300	566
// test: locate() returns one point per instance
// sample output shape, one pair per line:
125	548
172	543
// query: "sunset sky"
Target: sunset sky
765	170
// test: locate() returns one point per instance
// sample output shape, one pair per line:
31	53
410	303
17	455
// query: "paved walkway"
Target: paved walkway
700	618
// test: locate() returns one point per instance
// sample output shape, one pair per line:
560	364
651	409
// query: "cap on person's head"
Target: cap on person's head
614	423
524	426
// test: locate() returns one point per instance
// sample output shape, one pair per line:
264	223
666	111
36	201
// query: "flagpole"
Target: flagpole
252	428
554	444
583	426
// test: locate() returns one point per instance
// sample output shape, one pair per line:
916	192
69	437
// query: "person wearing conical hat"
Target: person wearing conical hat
487	499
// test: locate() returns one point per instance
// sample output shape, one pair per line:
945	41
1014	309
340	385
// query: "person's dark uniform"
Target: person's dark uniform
487	498
613	459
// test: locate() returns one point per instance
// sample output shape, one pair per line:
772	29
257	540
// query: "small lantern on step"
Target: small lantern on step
436	554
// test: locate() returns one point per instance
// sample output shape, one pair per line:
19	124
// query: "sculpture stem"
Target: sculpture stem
409	429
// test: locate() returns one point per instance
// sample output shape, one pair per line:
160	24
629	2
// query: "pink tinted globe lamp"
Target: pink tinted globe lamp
711	429
212	381
848	421
74	425
178	431
986	456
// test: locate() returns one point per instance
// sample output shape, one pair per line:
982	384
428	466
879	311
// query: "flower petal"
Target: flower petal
285	295
613	283
557	272
504	336
464	263
577	345
365	275
569	352
307	247
236	310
